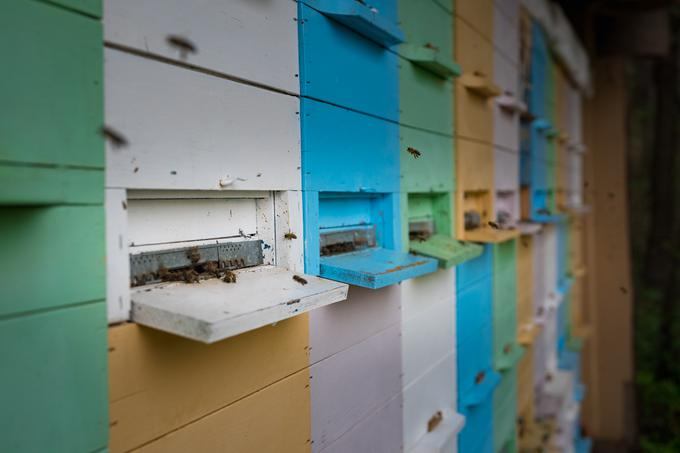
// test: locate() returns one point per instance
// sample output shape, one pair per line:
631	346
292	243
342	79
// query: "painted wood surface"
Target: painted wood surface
506	171
188	130
380	432
149	372
349	386
275	418
425	98
52	235
474	114
65	410
479	14
506	119
58	54
329	56
365	313
117	256
360	156
212	310
433	170
423	398
89	7
506	29
253	41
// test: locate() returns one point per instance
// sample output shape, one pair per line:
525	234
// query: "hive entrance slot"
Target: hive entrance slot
347	240
421	230
192	264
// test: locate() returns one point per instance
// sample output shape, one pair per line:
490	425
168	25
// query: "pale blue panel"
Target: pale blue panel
345	151
344	68
473	309
375	267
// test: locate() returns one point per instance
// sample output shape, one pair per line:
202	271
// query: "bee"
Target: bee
290	235
434	421
479	378
115	138
300	280
494	225
181	43
194	255
429	45
229	277
414	152
211	267
507	348
543	211
191	276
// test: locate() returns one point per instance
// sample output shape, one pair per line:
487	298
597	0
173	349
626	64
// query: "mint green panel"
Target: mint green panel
54	394
89	7
51	257
51	93
505	349
505	412
425	99
23	185
433	169
426	23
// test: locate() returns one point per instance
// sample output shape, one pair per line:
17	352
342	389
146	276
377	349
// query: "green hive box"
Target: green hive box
53	326
505	413
51	150
426	133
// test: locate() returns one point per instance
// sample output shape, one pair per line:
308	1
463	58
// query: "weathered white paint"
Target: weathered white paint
213	310
191	131
380	432
365	313
506	170
444	438
117	260
506	120
156	222
349	386
433	391
251	40
506	29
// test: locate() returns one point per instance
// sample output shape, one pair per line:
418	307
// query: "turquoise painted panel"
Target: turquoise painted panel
473	309
51	257
54	394
477	434
346	151
377	21
89	7
537	99
375	267
471	271
51	87
41	186
344	68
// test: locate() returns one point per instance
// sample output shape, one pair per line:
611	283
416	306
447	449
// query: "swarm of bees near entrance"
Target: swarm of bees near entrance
193	273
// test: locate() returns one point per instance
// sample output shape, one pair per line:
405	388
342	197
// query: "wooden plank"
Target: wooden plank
254	41
46	186
432	392
506	30
150	372
365	313
193	131
213	310
117	256
506	170
428	325
152	222
506	121
612	336
474	165
478	14
51	89
54	380
275	418
52	257
380	432
347	387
